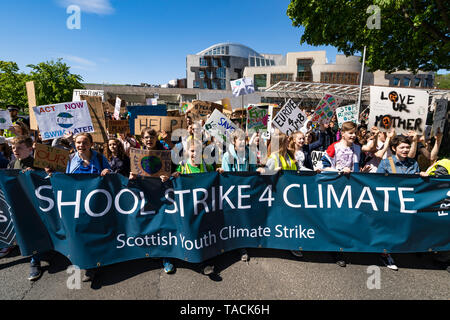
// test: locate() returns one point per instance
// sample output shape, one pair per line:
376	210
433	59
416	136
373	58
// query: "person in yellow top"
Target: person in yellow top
195	164
279	155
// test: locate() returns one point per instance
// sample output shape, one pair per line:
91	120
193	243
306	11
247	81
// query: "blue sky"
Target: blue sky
134	41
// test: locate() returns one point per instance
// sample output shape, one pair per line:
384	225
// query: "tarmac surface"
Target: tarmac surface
268	275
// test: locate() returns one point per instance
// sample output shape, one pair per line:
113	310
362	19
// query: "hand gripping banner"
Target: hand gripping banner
97	221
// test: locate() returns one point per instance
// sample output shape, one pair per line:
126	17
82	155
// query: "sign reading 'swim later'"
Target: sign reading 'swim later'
398	108
55	120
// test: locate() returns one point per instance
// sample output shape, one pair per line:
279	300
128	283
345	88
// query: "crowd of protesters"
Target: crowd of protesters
349	148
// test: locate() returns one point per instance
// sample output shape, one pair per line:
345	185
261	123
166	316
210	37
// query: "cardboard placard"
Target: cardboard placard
5	120
150	163
439	117
168	124
55	158
118	126
56	120
325	109
98	118
347	113
77	93
173	113
402	109
204	108
220	126
31	103
290	118
116	114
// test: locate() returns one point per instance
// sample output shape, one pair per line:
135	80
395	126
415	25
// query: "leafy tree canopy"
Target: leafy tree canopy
413	34
52	80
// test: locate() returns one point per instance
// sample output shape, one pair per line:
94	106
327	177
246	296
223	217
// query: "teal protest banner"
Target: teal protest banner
97	221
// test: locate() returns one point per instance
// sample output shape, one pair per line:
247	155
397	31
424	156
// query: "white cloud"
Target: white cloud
101	7
80	61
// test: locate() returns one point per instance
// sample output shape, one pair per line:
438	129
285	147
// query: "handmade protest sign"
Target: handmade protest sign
290	118
135	111
5	120
440	116
118	126
220	126
257	118
402	109
77	93
168	124
48	157
185	106
31	103
151	101
203	108
150	163
98	118
55	120
347	113
316	158
117	108
325	109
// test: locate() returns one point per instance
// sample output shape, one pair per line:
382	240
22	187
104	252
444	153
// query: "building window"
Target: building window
214	85
252	61
277	77
208	74
201	74
304	72
203	62
263	62
272	62
224	62
258	63
221	73
196	84
406	82
223	85
205	85
215	62
260	80
227	50
396	81
416	82
339	77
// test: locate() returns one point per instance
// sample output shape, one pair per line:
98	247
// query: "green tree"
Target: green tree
442	81
413	34
53	82
12	85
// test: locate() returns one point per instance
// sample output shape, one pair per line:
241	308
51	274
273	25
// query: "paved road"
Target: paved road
270	274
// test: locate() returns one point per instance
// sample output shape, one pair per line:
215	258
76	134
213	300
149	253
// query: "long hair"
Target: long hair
291	147
120	150
281	148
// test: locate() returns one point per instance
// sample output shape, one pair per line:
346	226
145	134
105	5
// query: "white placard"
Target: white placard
290	118
347	113
398	108
440	116
151	101
93	93
117	108
220	126
316	158
55	120
5	120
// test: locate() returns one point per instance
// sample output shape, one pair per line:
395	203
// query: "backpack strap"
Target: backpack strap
391	162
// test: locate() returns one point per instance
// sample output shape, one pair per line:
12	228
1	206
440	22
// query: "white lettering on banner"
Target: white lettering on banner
306	196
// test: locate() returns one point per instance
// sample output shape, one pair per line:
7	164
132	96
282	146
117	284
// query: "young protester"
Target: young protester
22	148
117	158
195	164
302	151
400	163
419	149
373	158
151	142
87	160
344	156
238	158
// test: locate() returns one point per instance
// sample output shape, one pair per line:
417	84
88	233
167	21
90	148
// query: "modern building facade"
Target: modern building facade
214	67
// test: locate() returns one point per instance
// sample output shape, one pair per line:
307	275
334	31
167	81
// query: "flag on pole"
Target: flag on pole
242	87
